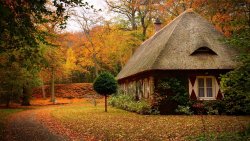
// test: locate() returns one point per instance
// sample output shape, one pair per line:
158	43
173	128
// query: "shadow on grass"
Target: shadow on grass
226	136
4	113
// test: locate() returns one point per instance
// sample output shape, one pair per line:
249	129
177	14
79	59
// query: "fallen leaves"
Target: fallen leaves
4	113
83	121
74	90
121	125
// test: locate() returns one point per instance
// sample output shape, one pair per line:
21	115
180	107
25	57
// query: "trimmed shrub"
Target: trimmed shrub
105	84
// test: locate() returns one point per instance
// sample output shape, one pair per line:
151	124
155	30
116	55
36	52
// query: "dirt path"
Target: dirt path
25	126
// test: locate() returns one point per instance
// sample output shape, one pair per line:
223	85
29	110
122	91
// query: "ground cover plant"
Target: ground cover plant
118	124
127	102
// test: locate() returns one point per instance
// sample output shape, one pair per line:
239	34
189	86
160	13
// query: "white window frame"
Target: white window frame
205	88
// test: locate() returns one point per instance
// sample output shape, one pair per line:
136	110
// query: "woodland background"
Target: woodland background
35	50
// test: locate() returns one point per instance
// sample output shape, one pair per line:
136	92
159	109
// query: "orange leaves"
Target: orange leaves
112	46
75	90
221	13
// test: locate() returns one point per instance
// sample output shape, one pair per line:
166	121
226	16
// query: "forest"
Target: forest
36	50
80	46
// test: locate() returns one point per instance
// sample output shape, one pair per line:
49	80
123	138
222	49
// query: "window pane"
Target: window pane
201	82
209	92
209	82
201	92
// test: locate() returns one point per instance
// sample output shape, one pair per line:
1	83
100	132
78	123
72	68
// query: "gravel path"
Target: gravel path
24	126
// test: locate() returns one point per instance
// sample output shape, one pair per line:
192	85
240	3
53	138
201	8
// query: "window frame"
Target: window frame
205	88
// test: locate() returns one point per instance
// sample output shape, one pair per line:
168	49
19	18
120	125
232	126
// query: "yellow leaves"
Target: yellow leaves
104	48
70	60
111	46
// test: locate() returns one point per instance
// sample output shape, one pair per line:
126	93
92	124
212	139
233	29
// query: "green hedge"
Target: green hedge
127	102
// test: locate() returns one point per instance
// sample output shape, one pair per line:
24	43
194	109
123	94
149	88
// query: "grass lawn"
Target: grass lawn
118	124
4	113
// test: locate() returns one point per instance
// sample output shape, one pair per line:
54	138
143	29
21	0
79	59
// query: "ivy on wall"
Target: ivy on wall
171	92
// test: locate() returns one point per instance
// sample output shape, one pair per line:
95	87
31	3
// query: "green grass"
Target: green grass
122	125
4	113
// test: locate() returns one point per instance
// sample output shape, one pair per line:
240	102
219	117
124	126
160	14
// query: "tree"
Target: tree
127	8
20	40
146	11
235	84
221	13
54	66
105	84
17	78
87	21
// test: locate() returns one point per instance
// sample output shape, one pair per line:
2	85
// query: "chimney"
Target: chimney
157	24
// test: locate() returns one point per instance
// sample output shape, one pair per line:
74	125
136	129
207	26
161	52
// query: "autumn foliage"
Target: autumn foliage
75	90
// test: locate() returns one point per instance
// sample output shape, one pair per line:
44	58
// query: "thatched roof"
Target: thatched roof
177	46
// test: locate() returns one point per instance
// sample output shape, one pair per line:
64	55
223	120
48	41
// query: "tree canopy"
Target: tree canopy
33	44
105	84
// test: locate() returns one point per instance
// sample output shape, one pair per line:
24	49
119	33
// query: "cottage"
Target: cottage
190	48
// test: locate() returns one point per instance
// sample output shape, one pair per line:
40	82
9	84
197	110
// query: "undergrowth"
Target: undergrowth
127	102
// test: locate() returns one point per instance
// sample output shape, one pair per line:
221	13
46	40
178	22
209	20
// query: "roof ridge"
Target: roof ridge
190	10
160	52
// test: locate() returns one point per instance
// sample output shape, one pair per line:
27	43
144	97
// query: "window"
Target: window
205	87
203	50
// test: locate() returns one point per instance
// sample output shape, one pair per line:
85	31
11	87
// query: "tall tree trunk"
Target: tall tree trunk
95	65
7	100
9	96
144	28
144	33
133	22
53	99
27	92
43	90
106	103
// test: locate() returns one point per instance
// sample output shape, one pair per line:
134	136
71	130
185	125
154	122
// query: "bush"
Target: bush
184	110
169	93
214	107
176	87
127	102
235	85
